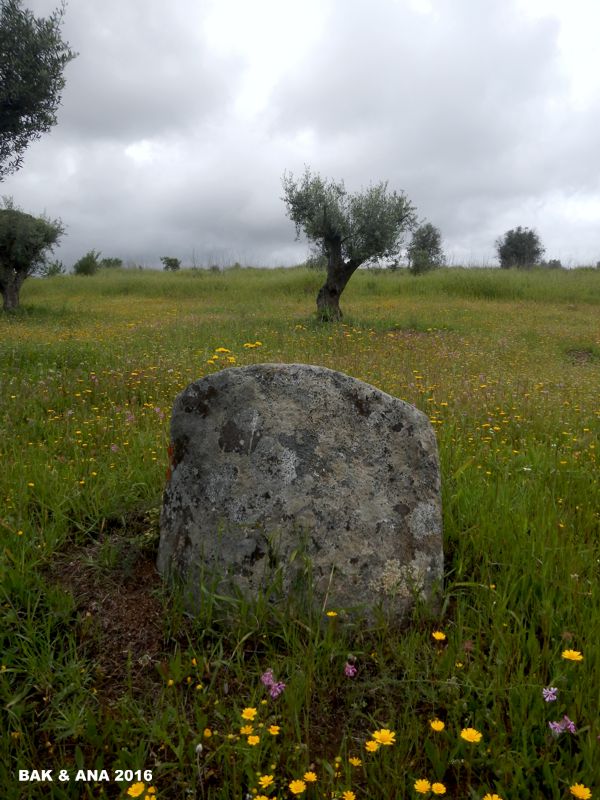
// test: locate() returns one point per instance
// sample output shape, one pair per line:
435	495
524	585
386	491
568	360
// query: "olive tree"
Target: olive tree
519	247
87	264
32	59
348	229
24	243
425	249
170	264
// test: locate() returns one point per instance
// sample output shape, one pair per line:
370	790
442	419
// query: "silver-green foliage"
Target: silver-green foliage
32	59
348	229
367	225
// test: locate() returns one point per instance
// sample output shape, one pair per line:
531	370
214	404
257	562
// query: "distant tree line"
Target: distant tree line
90	263
345	230
349	230
25	242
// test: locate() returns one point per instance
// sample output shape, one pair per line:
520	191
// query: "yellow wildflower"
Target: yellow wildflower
437	725
384	736
310	777
438	788
439	636
297	787
265	781
136	789
253	740
572	655
249	713
422	786
580	791
371	746
470	735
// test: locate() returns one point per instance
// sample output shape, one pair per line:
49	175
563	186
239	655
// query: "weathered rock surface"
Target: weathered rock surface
273	458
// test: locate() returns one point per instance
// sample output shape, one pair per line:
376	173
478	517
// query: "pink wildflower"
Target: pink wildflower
275	687
350	670
565	724
267	678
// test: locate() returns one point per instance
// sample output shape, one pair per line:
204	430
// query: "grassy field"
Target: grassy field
102	670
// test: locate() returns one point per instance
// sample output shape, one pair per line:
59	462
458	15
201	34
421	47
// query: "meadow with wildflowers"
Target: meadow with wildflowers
493	698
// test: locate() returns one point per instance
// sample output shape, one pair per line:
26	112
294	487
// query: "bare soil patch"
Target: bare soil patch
119	610
580	355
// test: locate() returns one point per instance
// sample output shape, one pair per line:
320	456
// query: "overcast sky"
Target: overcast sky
179	119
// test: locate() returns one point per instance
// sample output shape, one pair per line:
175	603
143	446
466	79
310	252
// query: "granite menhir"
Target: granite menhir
280	468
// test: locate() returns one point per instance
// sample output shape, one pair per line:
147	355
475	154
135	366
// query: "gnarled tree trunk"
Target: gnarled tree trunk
339	273
10	286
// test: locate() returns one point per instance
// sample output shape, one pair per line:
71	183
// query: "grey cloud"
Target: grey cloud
458	110
140	75
466	109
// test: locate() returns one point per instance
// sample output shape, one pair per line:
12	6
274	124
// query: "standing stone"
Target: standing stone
271	459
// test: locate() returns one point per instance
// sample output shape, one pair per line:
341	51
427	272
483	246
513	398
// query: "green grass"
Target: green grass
101	668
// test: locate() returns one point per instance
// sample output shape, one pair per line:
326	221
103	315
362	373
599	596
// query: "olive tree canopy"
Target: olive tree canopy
519	247
425	250
24	242
32	59
349	229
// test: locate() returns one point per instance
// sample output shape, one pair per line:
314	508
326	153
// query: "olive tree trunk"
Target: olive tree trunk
339	273
10	286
